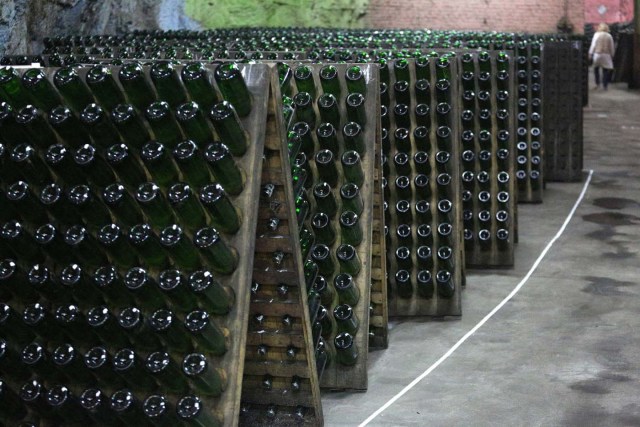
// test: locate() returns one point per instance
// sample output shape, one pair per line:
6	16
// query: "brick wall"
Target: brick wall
609	11
487	15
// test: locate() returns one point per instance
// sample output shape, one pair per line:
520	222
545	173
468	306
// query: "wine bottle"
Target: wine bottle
163	124
130	125
41	91
193	123
196	80
136	87
104	88
74	91
205	379
229	128
233	87
67	125
205	332
226	171
166	80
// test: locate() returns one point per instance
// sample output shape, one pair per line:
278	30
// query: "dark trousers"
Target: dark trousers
606	76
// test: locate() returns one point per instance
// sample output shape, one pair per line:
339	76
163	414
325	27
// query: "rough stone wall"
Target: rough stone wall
488	15
23	23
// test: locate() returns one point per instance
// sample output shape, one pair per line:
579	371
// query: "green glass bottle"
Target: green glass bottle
190	410
130	125
125	165
10	130
356	108
24	203
20	241
130	367
194	123
304	132
164	126
100	81
97	122
203	377
351	229
346	320
330	81
82	198
356	81
164	323
68	127
304	111
125	406
303	75
40	89
192	163
196	79
206	333
165	371
224	168
84	246
329	110
108	281
34	126
284	77
346	349
75	93
181	250
166	79
148	245
12	409
323	229
353	138
223	213
138	331
326	167
321	255
325	199
220	257
11	88
158	161
112	238
352	167
122	204
154	205
136	87
233	87
229	128
186	206
348	259
346	288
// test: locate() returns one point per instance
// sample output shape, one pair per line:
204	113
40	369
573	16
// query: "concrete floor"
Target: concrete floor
565	350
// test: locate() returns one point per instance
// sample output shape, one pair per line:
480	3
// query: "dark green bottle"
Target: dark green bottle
164	126
326	167
82	198
148	245
12	408
122	204
194	123
346	288
329	110
125	406
353	138
186	206
41	280
346	320
165	371
330	81
203	377
346	349
20	241
24	203
181	250
75	93
11	88
205	332
34	126
116	245
351	229
214	297
158	161
229	128
348	259
125	165
84	246
104	87
225	216
154	205
190	410
40	89
10	132
195	77
130	367
303	75
233	87
224	168
68	127
356	108
322	256
108	281
139	332
192	163
164	323
304	132
355	80
25	164
166	79
304	111
352	167
130	125
97	122
220	257
136	87
325	199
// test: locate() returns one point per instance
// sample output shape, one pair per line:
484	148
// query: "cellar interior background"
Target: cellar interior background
540	332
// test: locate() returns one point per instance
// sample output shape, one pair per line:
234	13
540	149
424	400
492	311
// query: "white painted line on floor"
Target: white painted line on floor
491	313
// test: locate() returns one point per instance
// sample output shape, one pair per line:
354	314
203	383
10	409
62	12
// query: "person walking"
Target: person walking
601	53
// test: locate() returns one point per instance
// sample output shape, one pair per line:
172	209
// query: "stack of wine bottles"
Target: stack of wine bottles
563	86
421	189
125	198
330	115
487	138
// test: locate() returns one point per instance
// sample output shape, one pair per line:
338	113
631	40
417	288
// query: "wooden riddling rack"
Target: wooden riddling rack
562	107
488	157
279	323
529	132
436	304
338	376
233	324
